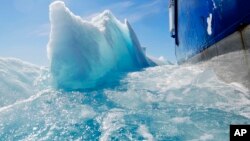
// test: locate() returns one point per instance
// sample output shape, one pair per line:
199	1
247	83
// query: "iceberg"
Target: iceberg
86	53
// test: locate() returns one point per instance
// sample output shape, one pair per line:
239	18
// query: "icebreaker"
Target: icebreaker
85	53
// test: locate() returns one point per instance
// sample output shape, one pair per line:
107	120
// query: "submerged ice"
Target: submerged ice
84	53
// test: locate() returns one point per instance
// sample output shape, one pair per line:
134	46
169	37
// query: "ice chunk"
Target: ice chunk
84	53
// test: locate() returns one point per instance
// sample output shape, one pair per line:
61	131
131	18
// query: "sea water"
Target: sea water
168	102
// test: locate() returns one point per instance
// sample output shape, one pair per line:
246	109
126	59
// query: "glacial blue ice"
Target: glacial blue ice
83	53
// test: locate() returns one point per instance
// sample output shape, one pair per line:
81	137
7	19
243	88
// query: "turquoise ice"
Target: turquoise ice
84	53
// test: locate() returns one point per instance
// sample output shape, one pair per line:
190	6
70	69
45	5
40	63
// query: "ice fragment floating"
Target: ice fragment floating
84	53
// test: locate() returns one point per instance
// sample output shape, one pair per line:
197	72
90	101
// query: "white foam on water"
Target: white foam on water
143	130
157	103
30	99
112	121
181	119
205	137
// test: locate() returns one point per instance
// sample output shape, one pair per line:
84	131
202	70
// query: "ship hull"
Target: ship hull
215	30
202	24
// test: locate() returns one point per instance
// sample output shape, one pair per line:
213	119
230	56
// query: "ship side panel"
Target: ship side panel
202	23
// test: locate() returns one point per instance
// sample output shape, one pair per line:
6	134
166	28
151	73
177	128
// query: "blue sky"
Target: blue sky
24	25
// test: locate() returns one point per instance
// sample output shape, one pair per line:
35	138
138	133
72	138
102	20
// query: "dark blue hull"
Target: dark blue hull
199	24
